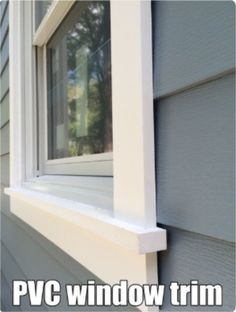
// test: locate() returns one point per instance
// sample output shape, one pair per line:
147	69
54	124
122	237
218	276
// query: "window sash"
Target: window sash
94	164
54	16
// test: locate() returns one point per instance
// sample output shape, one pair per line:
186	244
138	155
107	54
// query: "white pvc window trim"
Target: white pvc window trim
127	239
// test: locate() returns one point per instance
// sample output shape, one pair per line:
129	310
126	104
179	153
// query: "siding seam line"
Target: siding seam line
4	12
4	154
5	124
195	85
166	226
2	71
14	260
3	39
4	66
4	95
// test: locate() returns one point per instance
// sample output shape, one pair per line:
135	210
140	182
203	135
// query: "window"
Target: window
78	100
71	99
79	83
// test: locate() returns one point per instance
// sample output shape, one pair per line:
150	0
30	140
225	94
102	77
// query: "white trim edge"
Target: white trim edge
134	238
51	20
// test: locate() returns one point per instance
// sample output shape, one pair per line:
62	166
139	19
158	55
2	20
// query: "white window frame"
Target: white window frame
96	164
124	242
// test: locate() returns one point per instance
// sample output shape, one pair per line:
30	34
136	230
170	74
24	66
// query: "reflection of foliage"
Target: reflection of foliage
79	69
41	8
93	31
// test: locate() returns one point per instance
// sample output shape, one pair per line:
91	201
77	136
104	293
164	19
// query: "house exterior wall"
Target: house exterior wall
194	96
194	87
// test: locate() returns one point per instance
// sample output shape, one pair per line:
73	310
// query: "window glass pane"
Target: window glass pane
41	8
79	83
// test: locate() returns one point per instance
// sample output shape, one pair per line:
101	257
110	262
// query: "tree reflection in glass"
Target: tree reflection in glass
41	8
79	82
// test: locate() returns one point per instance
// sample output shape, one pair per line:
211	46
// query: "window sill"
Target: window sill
92	191
110	248
99	223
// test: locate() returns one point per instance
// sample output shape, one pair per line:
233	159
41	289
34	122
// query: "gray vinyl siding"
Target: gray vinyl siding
4	82
4	150
196	159
4	111
5	169
194	40
192	256
4	141
4	53
194	88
